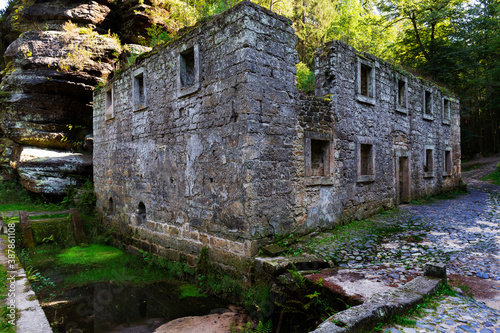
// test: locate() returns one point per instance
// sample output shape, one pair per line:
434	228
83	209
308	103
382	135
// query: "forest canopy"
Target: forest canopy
455	43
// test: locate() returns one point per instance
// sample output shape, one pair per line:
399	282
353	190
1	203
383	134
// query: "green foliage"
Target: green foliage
3	282
305	78
210	8
456	43
307	301
190	290
158	35
5	326
203	265
91	255
493	177
13	196
408	317
83	197
94	263
4	311
266	327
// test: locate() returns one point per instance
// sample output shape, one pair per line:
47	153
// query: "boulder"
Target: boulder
50	171
24	17
6	171
49	83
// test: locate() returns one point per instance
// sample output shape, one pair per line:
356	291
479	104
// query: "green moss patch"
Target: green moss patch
91	255
4	311
80	265
493	177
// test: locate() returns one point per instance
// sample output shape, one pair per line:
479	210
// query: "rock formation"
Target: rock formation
56	52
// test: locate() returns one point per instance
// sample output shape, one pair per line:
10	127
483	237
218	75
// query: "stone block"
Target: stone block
435	269
76	222
273	250
173	231
204	239
26	230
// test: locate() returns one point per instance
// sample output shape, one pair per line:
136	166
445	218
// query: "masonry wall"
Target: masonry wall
181	167
206	142
394	131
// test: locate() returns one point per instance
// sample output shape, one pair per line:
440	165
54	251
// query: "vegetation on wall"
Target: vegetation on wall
455	43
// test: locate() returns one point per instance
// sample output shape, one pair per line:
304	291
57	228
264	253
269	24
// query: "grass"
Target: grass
4	311
408	319
49	216
13	196
471	166
82	265
493	177
360	228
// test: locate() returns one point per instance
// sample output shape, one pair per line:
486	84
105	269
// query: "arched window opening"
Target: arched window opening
141	213
111	206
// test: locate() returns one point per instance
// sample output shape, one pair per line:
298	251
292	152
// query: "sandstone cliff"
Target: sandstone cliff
55	53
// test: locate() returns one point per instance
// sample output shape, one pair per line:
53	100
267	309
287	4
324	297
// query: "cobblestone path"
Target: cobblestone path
463	233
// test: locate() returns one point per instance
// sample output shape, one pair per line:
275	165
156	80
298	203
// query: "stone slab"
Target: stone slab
361	318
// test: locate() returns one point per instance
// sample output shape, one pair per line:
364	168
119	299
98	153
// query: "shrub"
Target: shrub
305	78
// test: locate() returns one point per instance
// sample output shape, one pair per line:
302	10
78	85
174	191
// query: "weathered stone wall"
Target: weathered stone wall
207	142
203	160
395	131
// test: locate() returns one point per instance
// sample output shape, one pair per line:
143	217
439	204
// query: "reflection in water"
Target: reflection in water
101	307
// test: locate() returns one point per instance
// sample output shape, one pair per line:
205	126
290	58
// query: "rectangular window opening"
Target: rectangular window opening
401	93
429	160
446	109
366	159
320	158
140	94
187	68
109	104
447	162
428	103
366	88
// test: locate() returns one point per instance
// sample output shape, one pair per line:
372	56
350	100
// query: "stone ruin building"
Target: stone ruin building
206	142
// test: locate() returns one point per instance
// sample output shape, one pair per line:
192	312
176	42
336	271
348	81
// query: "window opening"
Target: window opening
446	109
429	163
187	68
319	158
428	103
141	213
366	81
447	162
109	104
139	89
401	93
366	159
111	206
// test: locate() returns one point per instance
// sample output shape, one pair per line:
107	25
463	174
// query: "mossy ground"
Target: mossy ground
15	197
77	266
4	320
493	177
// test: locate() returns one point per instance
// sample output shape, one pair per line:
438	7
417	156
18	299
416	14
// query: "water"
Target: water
106	308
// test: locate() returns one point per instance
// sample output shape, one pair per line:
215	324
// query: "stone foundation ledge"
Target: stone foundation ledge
278	265
381	306
30	315
188	235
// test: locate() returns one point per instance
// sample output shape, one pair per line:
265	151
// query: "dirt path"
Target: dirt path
485	166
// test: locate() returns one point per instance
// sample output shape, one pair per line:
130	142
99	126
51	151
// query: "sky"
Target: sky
3	4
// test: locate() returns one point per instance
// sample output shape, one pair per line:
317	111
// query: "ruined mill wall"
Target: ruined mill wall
206	142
